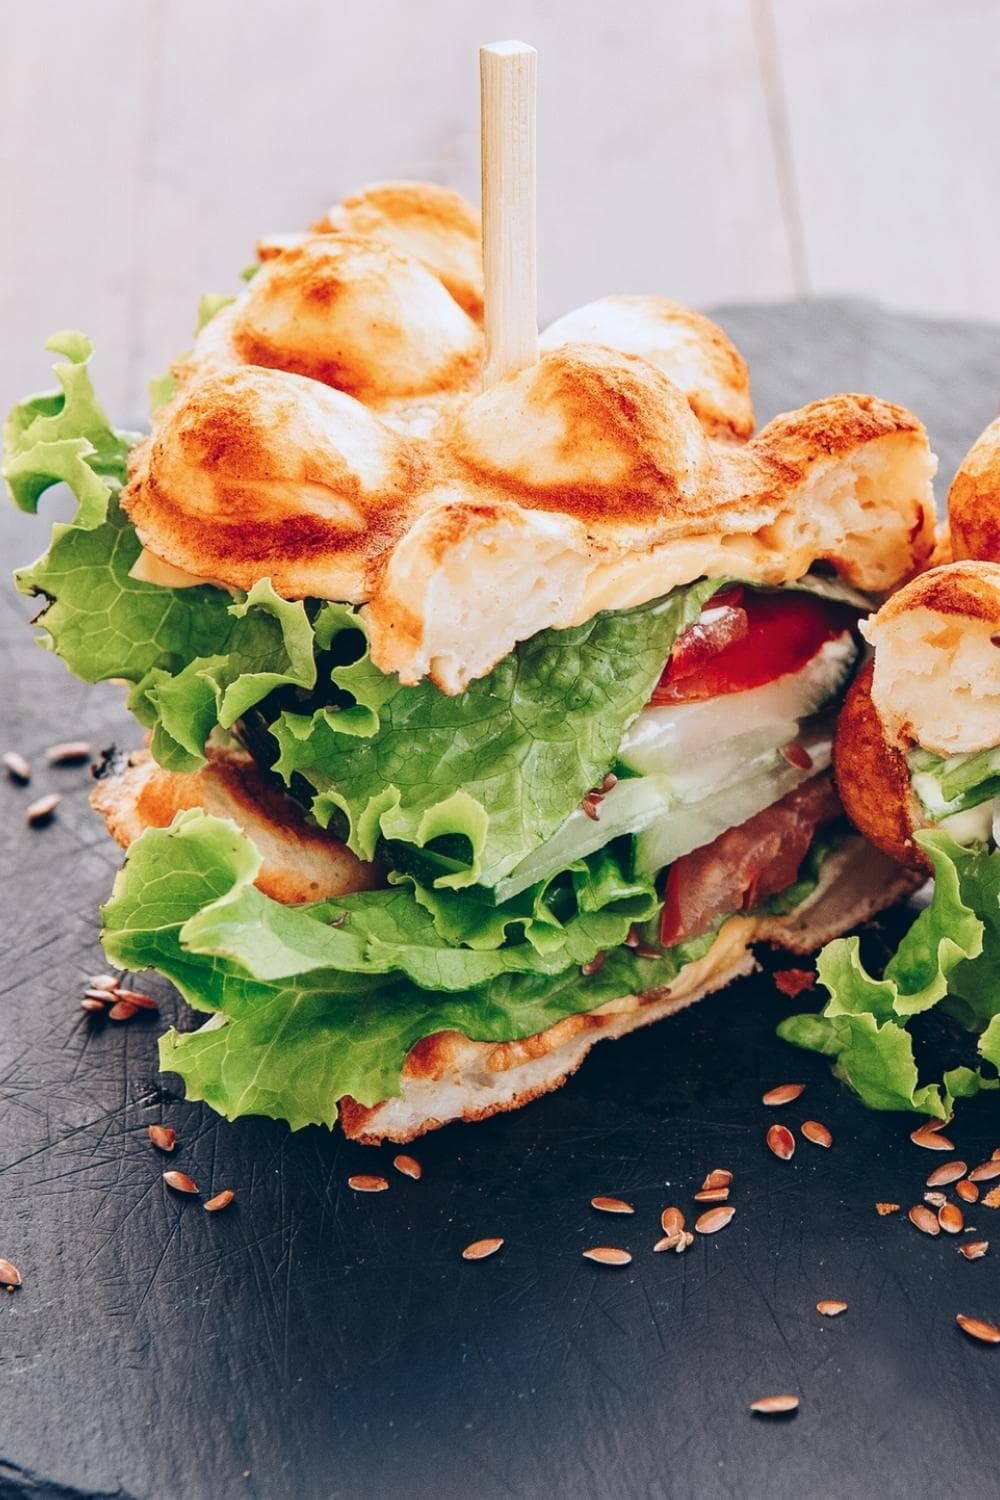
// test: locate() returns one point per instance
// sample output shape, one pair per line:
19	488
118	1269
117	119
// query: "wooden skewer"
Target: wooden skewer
507	102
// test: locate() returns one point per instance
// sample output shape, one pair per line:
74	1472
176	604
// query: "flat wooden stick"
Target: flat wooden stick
507	105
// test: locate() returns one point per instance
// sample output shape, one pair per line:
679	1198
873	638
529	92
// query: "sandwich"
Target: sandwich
481	724
917	762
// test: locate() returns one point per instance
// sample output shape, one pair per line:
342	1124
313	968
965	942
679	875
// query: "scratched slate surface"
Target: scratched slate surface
311	1343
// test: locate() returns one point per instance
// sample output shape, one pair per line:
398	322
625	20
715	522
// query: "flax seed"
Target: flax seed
781	1142
967	1191
783	1094
951	1218
986	1172
717	1178
714	1219
974	1249
606	1255
365	1182
921	1218
949	1171
774	1406
17	768
220	1201
480	1249
10	1276
409	1166
829	1307
43	810
68	753
611	1205
815	1131
672	1221
162	1137
977	1328
180	1182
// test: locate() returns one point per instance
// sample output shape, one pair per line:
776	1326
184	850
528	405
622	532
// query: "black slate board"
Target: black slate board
313	1343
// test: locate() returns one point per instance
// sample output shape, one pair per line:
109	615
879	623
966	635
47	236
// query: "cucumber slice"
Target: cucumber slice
713	741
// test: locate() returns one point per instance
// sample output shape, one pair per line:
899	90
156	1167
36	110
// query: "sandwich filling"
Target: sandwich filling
572	827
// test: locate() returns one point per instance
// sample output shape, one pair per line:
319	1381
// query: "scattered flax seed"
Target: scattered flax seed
977	1328
928	1135
781	1142
43	810
948	1171
967	1191
606	1255
103	982
798	756
123	1010
180	1182
103	997
90	1002
783	1094
611	1205
684	1241
951	1218
829	1307
712	1195
714	1219
220	1201
645	951
792	982
672	1221
409	1166
590	805
935	1199
774	1406
986	1172
668	1242
974	1249
138	999
592	967
480	1249
717	1178
68	753
10	1276
364	1182
816	1131
632	940
163	1137
995	1156
17	768
611	780
882	1209
921	1218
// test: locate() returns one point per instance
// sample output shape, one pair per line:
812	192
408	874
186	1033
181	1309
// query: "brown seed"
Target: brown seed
162	1136
967	1191
668	1242
714	1219
816	1132
68	753
611	1205
592	967
605	1255
798	756
974	1249
17	768
986	1172
590	806
712	1195
103	982
42	811
774	1406
122	1010
409	1166
883	1209
364	1182
948	1171
103	997
220	1201
922	1218
830	1307
783	1094
480	1249
928	1135
180	1182
977	1328
632	939
138	1000
684	1242
644	951
672	1221
717	1178
992	1198
90	1003
781	1142
935	1199
9	1274
951	1218
995	1155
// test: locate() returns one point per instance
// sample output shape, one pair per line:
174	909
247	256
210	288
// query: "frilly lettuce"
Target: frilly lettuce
304	1011
950	958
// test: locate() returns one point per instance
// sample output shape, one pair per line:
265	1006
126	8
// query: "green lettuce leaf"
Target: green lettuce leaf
304	1012
947	784
480	779
950	957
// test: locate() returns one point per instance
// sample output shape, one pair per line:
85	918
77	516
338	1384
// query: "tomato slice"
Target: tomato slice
744	639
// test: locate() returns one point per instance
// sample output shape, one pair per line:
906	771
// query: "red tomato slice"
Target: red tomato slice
753	639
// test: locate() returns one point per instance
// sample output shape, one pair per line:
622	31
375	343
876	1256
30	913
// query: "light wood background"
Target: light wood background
715	150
